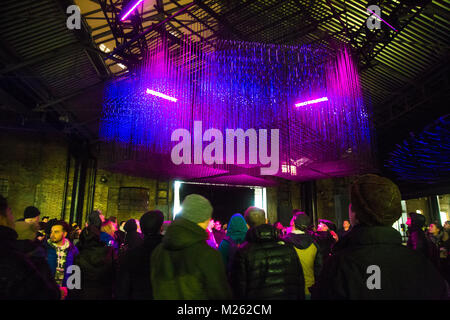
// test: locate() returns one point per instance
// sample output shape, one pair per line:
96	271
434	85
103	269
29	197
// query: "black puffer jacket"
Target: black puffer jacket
134	270
266	267
403	273
19	277
97	264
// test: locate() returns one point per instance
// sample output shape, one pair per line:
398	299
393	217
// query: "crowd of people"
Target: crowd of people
195	257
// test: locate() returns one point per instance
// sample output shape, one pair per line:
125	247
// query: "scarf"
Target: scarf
61	255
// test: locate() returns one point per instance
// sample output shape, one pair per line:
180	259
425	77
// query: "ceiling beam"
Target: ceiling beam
196	18
119	49
222	20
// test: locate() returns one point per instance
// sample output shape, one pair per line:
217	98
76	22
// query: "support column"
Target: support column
435	212
309	200
83	181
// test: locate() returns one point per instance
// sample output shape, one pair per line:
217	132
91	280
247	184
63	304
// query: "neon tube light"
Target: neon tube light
129	11
176	199
161	95
382	20
311	102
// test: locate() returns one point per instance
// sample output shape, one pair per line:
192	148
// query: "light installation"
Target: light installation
232	85
162	95
131	10
311	102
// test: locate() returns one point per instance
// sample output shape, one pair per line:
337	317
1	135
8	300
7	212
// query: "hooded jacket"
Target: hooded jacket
267	268
184	267
236	231
325	241
403	273
97	264
20	278
309	254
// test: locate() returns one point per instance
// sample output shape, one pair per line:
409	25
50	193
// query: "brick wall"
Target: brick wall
107	194
33	164
33	171
333	198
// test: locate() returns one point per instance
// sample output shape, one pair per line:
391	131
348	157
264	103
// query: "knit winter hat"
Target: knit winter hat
196	208
302	221
31	212
375	200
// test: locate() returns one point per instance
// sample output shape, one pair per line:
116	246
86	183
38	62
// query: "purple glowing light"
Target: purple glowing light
129	11
311	102
161	95
382	20
224	95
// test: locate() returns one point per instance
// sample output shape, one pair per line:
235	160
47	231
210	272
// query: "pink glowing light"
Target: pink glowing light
311	102
382	20
161	95
129	11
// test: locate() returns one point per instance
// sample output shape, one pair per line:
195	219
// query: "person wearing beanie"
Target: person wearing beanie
266	267
235	236
31	216
370	262
307	249
183	266
134	265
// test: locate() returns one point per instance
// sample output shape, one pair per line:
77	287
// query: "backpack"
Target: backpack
233	248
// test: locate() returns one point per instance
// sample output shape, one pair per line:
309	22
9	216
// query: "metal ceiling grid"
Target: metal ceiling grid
388	63
43	57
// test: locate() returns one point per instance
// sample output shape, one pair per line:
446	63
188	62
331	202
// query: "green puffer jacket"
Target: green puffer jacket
184	267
